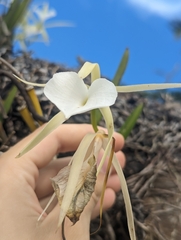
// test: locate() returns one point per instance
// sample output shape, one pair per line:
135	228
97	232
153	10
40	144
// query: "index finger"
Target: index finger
65	138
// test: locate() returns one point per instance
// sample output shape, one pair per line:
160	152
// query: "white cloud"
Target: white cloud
169	9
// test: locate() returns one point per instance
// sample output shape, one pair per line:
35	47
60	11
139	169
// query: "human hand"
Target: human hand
25	187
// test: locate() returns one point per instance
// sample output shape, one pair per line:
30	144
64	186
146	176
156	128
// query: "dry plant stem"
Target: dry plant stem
163	203
31	93
141	225
10	67
145	186
63	230
27	117
165	191
9	137
109	226
159	235
106	179
24	94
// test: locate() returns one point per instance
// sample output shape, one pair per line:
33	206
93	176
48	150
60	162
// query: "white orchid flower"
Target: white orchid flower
43	12
72	96
33	26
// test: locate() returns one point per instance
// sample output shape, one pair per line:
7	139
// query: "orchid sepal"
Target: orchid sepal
127	201
147	87
90	68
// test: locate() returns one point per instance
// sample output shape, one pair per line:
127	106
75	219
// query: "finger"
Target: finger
43	185
64	129
109	199
86	215
65	138
113	186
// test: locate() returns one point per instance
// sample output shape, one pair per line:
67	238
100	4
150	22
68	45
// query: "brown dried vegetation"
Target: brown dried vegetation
153	153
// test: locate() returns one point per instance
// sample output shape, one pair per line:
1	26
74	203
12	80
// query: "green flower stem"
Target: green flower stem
94	119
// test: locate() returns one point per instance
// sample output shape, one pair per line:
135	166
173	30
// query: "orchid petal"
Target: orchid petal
147	87
67	91
50	126
44	13
59	24
101	93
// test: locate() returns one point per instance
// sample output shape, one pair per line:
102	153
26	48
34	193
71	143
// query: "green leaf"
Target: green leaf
131	121
6	104
122	67
8	101
94	121
15	13
10	98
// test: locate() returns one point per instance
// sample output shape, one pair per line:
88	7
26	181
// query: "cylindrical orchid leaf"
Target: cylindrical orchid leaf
122	67
131	121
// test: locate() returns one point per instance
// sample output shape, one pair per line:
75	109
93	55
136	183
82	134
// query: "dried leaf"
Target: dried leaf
83	191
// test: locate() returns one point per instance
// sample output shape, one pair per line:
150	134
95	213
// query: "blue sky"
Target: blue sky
104	28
